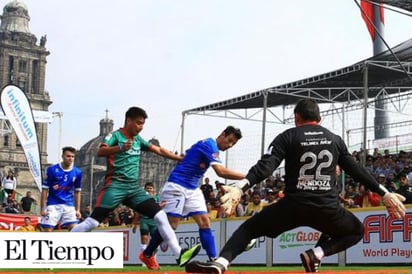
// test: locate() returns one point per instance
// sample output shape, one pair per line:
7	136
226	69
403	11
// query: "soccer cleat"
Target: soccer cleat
207	267
150	262
187	254
309	261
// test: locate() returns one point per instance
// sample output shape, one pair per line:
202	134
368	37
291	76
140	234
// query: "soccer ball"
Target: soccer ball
250	244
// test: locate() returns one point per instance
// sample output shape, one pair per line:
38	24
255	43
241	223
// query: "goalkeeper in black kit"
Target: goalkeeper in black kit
311	153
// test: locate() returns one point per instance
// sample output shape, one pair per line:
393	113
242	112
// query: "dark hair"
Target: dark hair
71	149
308	110
402	175
148	184
135	112
11	176
27	218
232	130
213	201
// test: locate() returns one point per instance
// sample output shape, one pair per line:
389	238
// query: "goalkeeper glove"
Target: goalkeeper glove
394	205
232	195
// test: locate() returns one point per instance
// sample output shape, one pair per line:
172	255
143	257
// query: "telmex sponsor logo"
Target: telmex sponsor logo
19	113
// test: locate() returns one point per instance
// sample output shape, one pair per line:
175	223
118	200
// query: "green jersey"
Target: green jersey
124	165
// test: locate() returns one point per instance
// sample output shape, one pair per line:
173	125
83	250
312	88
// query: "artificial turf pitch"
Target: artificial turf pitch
405	269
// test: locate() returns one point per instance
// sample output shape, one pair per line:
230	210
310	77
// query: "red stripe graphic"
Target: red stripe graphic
369	17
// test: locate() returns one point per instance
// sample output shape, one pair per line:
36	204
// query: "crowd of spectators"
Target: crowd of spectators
8	203
394	171
261	195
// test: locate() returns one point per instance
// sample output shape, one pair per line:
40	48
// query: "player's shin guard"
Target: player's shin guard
208	242
322	239
167	232
154	242
236	244
86	226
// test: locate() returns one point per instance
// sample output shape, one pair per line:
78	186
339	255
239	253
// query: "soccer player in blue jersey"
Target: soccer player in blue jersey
60	197
123	148
181	192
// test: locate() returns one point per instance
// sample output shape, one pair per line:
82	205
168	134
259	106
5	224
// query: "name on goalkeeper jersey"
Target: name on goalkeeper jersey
313	185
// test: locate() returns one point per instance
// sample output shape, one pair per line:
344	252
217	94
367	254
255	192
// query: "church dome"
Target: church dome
88	152
15	17
16	7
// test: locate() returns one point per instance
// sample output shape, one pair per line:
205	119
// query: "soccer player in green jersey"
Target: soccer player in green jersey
122	149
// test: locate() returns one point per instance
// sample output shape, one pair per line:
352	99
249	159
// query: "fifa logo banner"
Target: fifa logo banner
17	109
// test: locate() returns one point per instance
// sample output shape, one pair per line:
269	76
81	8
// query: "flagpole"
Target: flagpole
381	116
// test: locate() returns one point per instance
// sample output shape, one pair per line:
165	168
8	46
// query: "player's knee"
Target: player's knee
203	221
161	219
100	214
149	208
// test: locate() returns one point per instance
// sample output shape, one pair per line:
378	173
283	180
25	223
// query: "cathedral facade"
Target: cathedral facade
22	63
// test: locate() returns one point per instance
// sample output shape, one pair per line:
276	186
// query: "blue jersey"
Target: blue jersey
195	163
62	184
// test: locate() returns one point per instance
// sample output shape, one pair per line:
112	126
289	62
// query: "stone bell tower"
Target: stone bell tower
22	63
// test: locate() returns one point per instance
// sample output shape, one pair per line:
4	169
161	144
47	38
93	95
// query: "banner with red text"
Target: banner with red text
385	240
15	221
288	245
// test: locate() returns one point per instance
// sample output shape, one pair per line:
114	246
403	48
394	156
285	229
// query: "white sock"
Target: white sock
143	247
86	226
319	252
223	262
167	233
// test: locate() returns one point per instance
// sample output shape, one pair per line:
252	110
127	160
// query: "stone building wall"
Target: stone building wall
23	63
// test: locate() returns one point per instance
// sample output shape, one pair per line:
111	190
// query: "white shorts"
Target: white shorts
64	214
182	202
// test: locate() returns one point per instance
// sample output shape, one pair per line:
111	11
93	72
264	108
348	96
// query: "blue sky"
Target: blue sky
170	56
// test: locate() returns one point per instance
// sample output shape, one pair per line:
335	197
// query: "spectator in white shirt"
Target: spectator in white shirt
9	183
